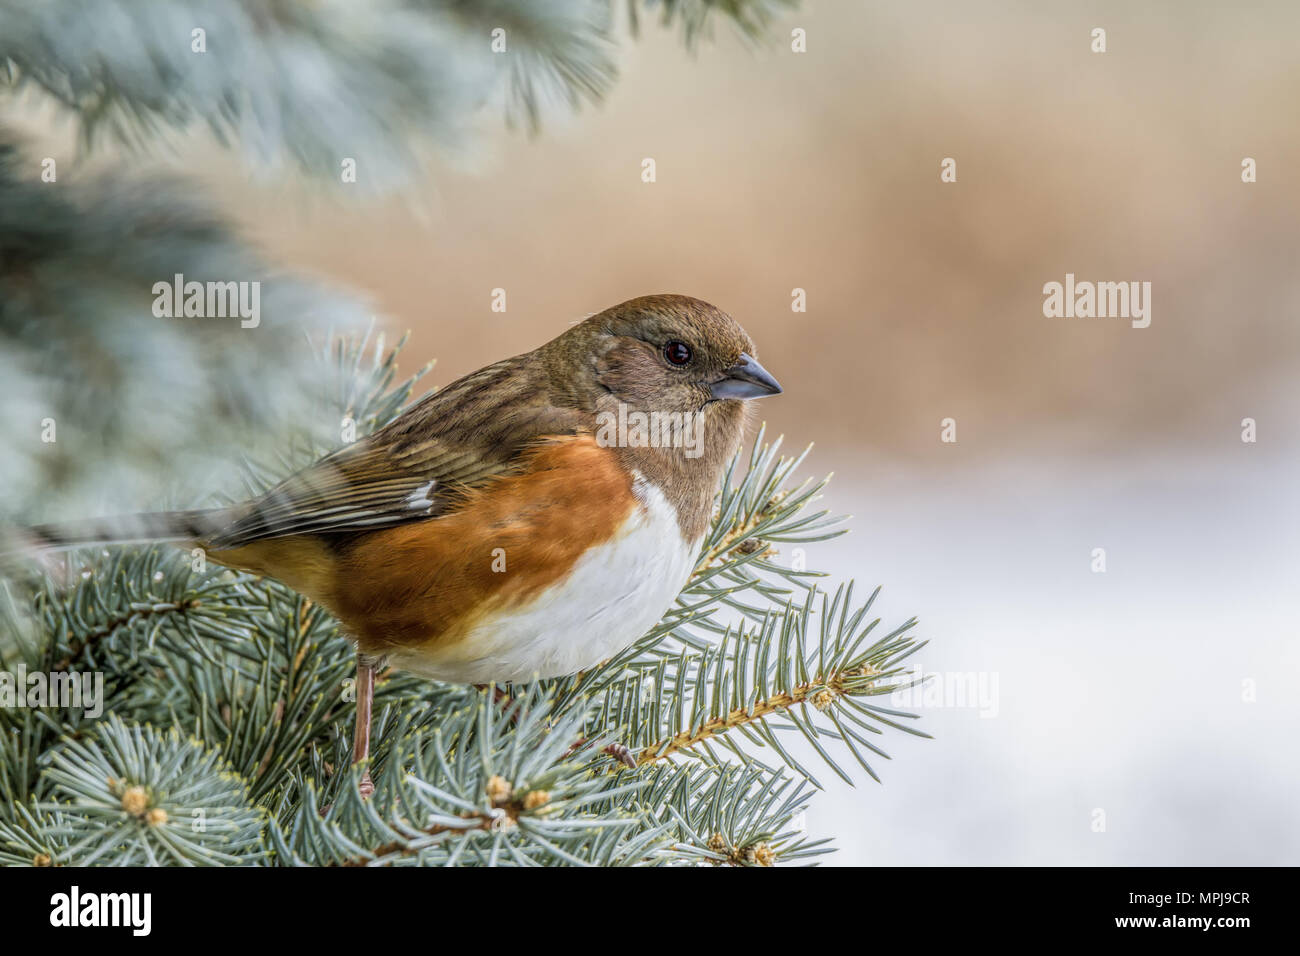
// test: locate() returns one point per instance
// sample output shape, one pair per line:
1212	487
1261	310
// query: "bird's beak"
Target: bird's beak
745	379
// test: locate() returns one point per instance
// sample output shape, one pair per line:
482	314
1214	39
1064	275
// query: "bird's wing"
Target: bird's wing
418	465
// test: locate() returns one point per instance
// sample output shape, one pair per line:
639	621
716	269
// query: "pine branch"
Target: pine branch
310	84
679	708
133	796
696	17
184	389
734	815
821	692
518	795
752	652
114	609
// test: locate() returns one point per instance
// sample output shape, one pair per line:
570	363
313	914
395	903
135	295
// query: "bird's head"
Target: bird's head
669	355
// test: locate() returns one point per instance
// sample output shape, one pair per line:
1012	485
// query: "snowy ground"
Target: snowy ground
1125	692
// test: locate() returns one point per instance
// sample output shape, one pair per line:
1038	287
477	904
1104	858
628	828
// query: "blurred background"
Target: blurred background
1157	697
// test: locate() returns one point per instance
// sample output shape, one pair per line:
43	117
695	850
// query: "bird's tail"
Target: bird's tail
158	526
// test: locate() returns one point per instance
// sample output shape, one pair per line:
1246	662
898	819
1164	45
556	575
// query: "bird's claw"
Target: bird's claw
622	754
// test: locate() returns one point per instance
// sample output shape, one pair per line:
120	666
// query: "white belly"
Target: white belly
615	593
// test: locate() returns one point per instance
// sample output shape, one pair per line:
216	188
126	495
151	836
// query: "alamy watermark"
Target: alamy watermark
632	429
209	300
66	689
75	908
1102	300
968	690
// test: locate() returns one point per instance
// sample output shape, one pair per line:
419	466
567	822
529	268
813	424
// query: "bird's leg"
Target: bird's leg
620	752
366	667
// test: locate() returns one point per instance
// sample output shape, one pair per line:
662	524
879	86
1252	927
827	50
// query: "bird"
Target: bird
526	521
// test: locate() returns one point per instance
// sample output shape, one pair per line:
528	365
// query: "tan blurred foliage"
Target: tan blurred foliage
821	171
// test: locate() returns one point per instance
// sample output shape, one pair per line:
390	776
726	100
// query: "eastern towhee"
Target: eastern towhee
507	527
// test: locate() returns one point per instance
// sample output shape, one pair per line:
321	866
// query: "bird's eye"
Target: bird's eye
677	353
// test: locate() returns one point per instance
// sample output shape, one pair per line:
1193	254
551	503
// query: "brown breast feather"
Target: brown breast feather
427	582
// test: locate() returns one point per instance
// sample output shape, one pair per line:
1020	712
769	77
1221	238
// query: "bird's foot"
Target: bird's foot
622	754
